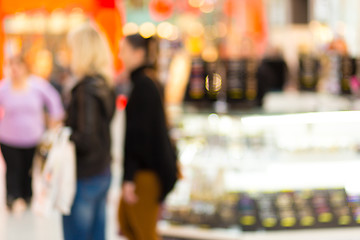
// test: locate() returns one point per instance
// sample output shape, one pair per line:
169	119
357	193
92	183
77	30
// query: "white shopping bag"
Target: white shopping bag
54	181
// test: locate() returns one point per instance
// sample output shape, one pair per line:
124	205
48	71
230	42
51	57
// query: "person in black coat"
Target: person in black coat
150	169
89	114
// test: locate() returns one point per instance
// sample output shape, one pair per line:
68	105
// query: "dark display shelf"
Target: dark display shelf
283	210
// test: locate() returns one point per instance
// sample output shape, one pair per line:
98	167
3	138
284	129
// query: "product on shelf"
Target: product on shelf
196	86
330	65
309	68
267	211
236	80
202	213
248	213
285	204
176	216
339	205
232	80
354	205
251	91
304	208
213	81
323	212
227	210
251	211
355	80
241	81
347	71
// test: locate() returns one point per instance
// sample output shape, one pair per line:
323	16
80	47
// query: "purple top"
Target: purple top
23	123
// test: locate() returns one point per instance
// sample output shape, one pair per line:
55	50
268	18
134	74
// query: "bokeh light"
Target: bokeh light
130	28
165	30
207	7
196	3
147	30
196	29
215	84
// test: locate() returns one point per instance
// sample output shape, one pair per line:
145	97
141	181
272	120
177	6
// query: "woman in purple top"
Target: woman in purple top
23	100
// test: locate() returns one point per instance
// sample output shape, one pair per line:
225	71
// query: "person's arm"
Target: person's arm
53	103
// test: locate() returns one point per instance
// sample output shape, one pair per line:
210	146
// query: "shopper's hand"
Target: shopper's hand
55	124
128	192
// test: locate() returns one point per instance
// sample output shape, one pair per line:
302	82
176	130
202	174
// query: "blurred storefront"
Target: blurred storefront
263	97
259	120
39	28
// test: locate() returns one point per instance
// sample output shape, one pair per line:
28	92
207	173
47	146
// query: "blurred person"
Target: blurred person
24	98
90	112
150	170
272	73
59	78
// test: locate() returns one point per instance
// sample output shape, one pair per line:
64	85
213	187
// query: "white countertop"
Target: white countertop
193	233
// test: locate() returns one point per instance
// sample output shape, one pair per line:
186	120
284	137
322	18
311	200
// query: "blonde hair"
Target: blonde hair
91	53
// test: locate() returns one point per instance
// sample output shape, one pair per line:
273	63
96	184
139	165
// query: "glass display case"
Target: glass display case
247	173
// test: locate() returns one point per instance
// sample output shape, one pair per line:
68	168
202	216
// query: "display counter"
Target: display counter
261	176
187	233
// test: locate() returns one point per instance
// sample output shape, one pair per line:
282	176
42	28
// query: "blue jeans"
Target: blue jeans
88	213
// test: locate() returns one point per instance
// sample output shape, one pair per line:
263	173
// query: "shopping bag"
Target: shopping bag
54	174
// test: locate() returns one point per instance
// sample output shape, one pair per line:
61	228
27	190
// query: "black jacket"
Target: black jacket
147	143
89	114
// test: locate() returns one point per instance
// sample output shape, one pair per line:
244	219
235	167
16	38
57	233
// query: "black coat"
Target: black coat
89	115
147	143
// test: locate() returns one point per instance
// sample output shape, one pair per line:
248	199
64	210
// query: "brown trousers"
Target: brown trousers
138	221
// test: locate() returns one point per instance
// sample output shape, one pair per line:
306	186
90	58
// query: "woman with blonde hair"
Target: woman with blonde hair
90	112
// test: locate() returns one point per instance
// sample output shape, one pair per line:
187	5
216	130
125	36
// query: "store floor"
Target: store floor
32	227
